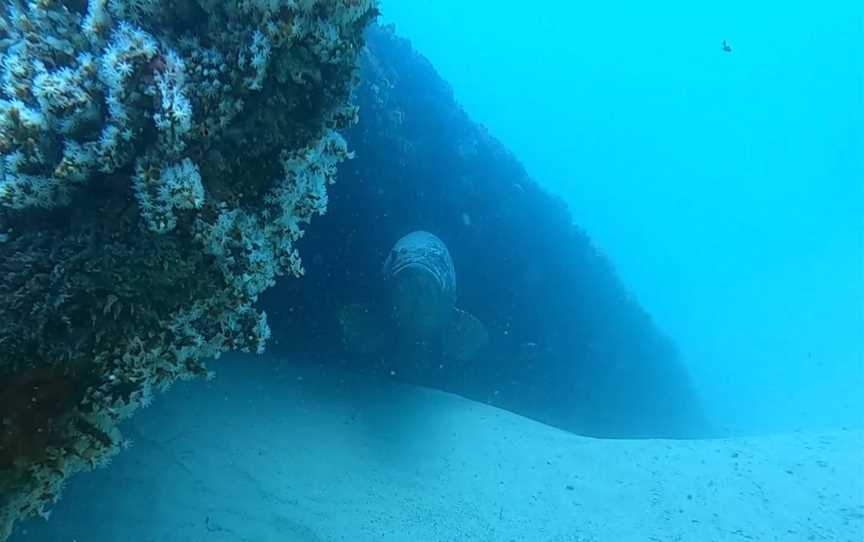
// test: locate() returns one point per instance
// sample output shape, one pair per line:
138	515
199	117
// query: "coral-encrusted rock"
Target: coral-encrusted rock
158	159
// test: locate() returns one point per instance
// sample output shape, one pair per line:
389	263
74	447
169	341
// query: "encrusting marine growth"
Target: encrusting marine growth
158	159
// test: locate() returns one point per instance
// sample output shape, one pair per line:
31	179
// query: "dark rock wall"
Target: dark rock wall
569	346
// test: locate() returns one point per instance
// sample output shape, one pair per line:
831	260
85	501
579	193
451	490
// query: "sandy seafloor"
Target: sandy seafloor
269	452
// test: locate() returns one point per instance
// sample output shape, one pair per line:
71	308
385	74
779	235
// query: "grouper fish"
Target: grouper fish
416	323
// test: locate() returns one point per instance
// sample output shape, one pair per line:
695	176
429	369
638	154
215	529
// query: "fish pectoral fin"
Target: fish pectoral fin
464	337
363	329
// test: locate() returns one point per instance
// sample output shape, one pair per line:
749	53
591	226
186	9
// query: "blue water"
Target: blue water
664	309
727	188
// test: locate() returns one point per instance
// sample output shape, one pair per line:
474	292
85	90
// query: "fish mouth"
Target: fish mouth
415	266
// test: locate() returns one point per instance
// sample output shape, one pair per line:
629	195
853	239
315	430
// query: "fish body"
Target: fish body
421	281
417	320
